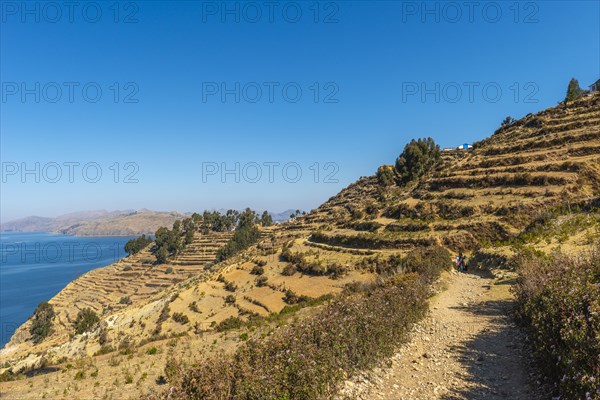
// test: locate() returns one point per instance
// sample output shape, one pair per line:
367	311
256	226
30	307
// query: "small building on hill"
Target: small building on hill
464	146
594	87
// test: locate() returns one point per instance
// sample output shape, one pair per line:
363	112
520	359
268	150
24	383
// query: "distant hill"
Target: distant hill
282	216
96	223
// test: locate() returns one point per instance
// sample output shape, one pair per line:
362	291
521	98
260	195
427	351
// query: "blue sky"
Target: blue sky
161	68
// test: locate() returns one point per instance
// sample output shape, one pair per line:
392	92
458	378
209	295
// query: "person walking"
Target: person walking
459	262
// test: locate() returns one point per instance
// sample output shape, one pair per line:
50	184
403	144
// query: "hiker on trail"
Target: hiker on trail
457	262
465	264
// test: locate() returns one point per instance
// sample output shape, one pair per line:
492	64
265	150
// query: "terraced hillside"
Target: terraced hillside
483	202
479	197
130	281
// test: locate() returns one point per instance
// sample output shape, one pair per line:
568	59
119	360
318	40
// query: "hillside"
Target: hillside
534	183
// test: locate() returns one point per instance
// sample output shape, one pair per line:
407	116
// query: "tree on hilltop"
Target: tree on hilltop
385	175
573	91
266	219
418	157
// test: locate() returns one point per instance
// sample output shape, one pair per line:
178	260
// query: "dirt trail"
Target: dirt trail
467	348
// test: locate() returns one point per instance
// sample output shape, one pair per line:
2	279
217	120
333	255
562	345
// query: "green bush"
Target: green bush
288	270
181	318
559	302
385	175
86	320
230	286
291	297
41	324
574	91
257	270
229	323
134	246
245	235
428	262
261	281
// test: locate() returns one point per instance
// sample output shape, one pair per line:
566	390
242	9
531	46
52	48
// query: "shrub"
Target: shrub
125	300
428	262
559	302
229	323
194	307
127	268
291	297
261	263
152	351
169	270
229	299
261	281
181	318
86	320
128	378
230	286
369	226
288	270
41	325
257	270
337	270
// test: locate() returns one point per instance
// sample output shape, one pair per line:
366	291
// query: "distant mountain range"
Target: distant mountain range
108	223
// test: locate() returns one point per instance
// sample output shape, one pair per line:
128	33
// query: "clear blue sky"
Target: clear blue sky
370	60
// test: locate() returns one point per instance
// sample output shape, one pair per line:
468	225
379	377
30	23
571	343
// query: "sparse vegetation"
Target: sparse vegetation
306	360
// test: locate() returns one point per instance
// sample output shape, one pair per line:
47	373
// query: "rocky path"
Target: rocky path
467	348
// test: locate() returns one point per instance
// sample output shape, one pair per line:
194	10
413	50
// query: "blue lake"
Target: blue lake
36	266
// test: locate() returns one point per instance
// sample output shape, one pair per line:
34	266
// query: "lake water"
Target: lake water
36	266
